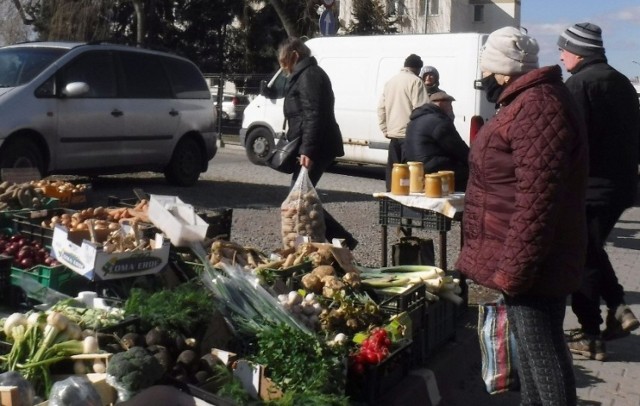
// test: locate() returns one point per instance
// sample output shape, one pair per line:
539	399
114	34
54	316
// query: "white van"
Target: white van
359	66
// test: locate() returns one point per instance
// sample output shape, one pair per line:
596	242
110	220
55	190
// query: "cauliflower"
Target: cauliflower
133	370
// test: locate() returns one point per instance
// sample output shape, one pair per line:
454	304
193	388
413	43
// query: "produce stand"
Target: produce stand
420	212
283	315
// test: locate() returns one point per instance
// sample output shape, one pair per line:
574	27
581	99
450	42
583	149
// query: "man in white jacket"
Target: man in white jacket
401	94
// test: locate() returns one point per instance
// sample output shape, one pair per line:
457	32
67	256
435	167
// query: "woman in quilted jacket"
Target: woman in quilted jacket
524	216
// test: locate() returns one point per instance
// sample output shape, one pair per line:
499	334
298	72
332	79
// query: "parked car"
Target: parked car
233	106
91	109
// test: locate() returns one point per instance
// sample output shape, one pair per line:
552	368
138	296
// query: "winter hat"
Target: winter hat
429	69
441	96
413	61
583	39
508	51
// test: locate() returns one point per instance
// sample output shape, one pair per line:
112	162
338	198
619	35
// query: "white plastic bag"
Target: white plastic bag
301	213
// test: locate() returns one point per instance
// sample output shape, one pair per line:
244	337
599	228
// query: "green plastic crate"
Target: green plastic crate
59	278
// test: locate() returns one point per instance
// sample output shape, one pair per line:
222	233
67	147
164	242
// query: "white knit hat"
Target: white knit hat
508	51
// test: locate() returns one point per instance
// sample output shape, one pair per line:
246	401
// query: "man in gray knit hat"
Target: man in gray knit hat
609	104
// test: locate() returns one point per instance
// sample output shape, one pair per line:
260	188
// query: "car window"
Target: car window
20	65
96	69
278	86
186	80
144	76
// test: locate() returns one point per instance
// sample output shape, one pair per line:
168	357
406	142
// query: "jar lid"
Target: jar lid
400	165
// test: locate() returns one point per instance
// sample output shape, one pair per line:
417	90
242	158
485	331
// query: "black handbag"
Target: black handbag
283	158
413	251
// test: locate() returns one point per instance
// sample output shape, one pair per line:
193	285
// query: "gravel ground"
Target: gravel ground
255	194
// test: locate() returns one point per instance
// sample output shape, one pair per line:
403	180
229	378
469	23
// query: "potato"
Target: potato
323	270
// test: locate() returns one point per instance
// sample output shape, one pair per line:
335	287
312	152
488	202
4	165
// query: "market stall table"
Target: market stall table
419	211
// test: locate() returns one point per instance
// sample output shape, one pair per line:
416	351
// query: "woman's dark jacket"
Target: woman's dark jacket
524	215
610	106
308	109
432	139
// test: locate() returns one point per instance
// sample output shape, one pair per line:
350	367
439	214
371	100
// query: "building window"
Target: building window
396	8
478	13
434	7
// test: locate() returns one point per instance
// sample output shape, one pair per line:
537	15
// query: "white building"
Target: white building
432	16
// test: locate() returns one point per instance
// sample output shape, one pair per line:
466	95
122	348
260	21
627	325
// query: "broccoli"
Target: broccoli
133	370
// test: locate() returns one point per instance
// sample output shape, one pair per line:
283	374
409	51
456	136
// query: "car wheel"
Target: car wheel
22	154
186	163
259	145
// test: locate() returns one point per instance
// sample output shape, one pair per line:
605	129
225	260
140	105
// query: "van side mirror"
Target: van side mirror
75	89
265	90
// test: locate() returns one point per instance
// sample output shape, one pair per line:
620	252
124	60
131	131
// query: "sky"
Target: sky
619	20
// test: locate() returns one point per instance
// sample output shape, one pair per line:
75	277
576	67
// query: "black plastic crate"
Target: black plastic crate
409	300
376	380
208	397
5	280
30	224
393	213
440	325
219	221
413	302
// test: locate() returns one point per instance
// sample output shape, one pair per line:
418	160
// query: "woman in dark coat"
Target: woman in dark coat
309	113
432	139
524	215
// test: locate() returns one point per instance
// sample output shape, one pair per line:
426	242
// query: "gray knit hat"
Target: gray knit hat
429	69
583	39
509	51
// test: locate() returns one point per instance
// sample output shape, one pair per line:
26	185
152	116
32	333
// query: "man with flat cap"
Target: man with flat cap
609	104
432	139
401	94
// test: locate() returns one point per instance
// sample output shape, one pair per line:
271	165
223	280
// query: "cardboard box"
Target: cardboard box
177	220
9	396
255	383
89	260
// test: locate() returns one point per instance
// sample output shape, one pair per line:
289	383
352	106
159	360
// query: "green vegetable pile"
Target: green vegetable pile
302	365
182	309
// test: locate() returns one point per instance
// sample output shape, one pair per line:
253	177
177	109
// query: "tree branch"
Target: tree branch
23	15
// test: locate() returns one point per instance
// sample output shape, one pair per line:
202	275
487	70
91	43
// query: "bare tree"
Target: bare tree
12	29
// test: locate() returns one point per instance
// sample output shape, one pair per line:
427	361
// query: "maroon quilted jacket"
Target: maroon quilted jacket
524	216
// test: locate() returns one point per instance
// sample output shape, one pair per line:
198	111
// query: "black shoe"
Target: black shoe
352	243
620	323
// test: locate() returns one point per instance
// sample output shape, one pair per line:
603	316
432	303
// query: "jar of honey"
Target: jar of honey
416	177
400	179
451	180
433	185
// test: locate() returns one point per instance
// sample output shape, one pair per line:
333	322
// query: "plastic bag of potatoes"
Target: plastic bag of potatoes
301	213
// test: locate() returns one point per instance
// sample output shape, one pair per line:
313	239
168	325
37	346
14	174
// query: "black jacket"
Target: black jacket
609	104
433	140
308	109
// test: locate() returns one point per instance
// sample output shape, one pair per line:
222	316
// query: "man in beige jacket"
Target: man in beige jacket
401	94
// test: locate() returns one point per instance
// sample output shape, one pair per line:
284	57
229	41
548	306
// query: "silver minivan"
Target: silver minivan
91	109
